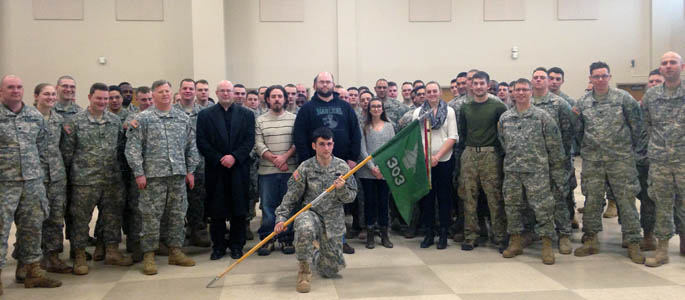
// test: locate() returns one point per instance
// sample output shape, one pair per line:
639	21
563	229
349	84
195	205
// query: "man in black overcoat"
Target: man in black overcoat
225	136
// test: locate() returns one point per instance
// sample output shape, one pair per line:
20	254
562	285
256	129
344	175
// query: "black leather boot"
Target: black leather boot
442	241
385	240
370	238
428	240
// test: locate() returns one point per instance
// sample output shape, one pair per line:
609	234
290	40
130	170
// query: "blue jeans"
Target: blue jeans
272	188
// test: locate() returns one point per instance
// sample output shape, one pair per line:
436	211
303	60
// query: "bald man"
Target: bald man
225	137
663	107
22	193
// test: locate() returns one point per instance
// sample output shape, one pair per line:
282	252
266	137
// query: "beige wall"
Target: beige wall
358	40
259	53
668	28
138	52
209	46
400	50
3	41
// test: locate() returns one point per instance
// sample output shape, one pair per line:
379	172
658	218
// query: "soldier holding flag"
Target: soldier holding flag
323	224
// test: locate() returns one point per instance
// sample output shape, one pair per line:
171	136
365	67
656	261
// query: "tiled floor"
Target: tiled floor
404	272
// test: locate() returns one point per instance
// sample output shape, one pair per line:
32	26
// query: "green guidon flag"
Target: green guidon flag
402	163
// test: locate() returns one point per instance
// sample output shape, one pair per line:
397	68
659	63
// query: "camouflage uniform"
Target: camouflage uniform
481	167
610	133
560	112
456	104
67	112
253	190
55	183
568	98
91	150
162	148
131	108
123	114
196	196
22	193
324	222
405	119
664	113
532	146
394	110
132	222
572	181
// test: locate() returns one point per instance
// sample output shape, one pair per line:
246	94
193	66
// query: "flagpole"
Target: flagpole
289	221
429	156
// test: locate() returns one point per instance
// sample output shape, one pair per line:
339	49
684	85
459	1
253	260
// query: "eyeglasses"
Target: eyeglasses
376	106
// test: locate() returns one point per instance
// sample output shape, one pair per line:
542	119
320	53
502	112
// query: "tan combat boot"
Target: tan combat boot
648	243
114	257
547	251
99	253
661	256
634	253
514	247
565	245
35	277
80	264
149	267
304	278
611	211
52	263
590	245
20	272
177	257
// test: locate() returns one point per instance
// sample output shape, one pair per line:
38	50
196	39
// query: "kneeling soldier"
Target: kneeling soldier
318	231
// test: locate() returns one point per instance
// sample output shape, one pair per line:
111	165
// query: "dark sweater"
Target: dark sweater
337	115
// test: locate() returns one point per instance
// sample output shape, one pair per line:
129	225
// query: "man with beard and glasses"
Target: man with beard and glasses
325	109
